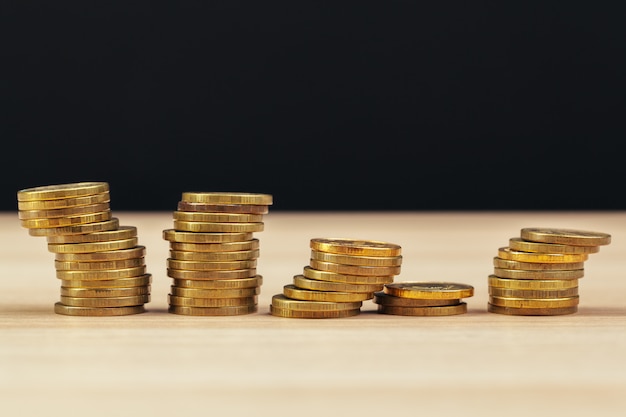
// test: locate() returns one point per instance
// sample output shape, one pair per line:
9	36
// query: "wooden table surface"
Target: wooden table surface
478	363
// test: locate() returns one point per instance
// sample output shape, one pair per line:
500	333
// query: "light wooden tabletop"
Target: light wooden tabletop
478	363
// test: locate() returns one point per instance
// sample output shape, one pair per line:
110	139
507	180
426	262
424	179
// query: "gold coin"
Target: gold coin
343	278
354	269
194	216
63	212
211	275
439	311
380	297
513	293
139	281
545	274
105	292
223	208
95	265
246	245
67	221
429	290
255	281
65	202
279	300
111	245
102	274
240	255
210	266
227	198
78	229
356	259
212	311
301	281
565	236
195	237
513	255
60	191
105	301
512	311
534	302
312	314
98	311
207	227
535	266
532	284
123	232
518	244
211	302
114	255
293	292
357	247
214	293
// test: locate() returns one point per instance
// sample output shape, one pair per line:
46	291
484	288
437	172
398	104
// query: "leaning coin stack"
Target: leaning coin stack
342	273
423	298
213	253
100	264
537	273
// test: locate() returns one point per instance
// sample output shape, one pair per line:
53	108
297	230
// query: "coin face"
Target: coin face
429	289
565	236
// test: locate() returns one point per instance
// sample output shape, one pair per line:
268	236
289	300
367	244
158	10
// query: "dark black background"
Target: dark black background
388	105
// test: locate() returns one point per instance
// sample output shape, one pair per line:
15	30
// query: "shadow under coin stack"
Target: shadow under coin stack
100	264
213	253
538	273
342	273
422	298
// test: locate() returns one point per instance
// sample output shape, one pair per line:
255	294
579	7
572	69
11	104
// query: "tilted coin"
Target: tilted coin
301	281
356	259
194	216
522	245
122	232
240	255
227	198
565	236
89	247
105	301
380	297
313	314
312	273
439	311
354	269
534	302
532	266
355	246
57	222
214	293
59	191
291	291
98	311
223	208
208	227
114	255
255	281
279	300
195	237
512	311
104	197
212	311
429	289
532	284
539	274
78	229
63	212
508	253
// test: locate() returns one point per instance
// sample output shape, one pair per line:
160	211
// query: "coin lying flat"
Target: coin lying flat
532	266
64	203
279	300
194	216
312	273
211	275
519	244
540	274
429	290
313	314
111	283
534	302
512	311
293	292
98	311
175	300
356	259
450	310
173	235
358	247
105	292
120	233
565	236
532	284
214	292
240	255
77	229
380	297
227	198
516	293
245	245
105	301
514	255
301	281
223	208
60	191
252	282
354	269
62	212
212	311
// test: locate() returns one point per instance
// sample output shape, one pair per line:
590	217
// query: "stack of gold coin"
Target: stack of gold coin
423	298
342	273
537	273
100	263
213	253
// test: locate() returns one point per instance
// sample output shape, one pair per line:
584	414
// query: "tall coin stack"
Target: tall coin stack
100	264
537	273
342	273
213	253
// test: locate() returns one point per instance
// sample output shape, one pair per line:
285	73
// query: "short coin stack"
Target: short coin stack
100	264
213	253
342	273
423	298
537	273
